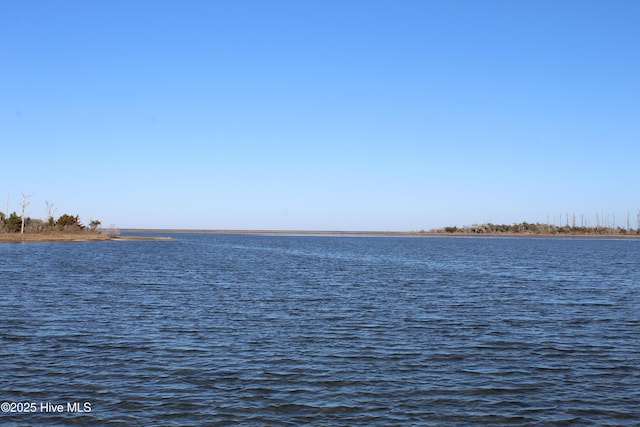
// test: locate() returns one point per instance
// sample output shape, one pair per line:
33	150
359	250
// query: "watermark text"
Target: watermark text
78	407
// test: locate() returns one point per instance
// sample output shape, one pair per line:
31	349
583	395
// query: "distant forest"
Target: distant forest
541	229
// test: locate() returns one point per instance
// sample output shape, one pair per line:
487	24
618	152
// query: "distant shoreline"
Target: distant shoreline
372	233
143	234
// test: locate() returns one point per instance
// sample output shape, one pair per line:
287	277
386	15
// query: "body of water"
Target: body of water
248	329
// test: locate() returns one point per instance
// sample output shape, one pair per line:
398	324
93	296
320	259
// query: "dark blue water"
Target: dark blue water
215	329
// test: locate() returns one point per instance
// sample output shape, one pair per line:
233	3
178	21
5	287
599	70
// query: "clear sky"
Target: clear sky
320	114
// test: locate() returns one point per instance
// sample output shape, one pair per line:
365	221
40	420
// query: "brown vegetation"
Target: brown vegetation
53	237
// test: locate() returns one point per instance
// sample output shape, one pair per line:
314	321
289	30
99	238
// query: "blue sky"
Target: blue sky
320	115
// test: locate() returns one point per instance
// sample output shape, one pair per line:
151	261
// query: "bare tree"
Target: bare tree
50	212
24	204
613	221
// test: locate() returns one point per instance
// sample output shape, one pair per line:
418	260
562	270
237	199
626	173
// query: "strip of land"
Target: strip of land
486	230
439	232
51	237
69	237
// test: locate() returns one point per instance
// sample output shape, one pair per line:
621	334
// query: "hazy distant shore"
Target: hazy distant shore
144	234
379	233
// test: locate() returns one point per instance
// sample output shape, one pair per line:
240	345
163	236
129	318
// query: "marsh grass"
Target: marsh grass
54	236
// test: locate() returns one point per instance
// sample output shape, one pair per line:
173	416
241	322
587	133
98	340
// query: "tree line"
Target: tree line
13	223
538	228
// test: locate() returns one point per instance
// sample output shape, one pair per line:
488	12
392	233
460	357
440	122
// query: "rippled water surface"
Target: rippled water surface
224	329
